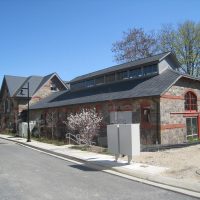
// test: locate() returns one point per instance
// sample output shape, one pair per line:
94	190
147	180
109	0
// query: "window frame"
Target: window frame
190	101
150	69
138	73
110	78
102	80
123	75
53	87
146	115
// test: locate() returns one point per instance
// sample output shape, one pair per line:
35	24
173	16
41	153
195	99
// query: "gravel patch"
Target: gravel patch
183	163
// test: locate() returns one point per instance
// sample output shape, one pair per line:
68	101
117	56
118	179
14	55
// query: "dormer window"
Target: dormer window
122	75
53	87
100	80
89	83
135	73
110	78
148	70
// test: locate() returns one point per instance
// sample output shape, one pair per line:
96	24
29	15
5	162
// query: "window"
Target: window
89	83
192	128
43	119
4	106
190	101
122	75
78	85
8	105
110	78
148	70
99	80
146	115
53	87
135	73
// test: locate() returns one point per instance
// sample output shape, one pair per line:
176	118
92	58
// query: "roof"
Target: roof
135	88
34	82
152	59
16	83
44	80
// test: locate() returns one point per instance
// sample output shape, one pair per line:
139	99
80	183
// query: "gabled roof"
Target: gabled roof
34	82
44	80
152	59
135	88
15	84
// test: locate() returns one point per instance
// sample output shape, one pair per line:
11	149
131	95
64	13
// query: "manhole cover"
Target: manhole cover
144	166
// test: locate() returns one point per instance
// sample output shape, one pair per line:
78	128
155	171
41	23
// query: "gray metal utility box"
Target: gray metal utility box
124	139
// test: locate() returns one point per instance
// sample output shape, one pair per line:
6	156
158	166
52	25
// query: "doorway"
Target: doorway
192	128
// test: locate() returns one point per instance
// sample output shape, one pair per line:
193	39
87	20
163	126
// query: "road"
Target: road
26	174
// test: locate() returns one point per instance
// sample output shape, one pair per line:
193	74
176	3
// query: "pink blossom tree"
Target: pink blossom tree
86	123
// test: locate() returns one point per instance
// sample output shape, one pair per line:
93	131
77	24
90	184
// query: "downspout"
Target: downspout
158	122
158	141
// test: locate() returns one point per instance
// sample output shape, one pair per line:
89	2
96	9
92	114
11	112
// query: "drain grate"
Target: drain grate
198	172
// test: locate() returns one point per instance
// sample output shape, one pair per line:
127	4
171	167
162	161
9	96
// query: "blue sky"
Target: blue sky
74	37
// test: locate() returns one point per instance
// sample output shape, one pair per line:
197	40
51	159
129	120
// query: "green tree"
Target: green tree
184	41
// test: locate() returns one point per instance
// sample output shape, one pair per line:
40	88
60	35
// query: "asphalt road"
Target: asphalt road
26	174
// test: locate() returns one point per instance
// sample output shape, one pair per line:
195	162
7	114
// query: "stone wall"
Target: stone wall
11	119
45	90
149	130
173	120
8	116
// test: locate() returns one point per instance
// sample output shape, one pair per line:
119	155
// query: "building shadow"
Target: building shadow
92	165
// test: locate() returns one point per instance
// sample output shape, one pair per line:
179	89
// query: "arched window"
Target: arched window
190	101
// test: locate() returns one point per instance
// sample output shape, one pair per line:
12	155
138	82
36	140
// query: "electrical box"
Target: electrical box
124	139
23	128
129	141
121	117
113	140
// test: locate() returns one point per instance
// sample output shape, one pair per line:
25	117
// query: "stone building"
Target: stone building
148	91
14	96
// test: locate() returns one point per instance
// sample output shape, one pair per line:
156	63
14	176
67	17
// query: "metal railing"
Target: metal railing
77	139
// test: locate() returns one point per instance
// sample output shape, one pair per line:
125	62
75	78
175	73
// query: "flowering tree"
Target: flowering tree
86	123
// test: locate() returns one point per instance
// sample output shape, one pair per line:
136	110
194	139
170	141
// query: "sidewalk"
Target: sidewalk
140	172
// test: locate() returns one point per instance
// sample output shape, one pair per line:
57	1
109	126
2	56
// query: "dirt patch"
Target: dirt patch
183	163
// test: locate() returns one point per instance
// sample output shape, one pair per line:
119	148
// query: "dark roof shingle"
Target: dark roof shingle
151	59
16	84
13	83
151	86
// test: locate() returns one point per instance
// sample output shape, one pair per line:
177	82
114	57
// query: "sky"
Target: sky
75	37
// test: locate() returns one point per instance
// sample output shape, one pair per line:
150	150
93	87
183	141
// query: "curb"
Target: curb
157	181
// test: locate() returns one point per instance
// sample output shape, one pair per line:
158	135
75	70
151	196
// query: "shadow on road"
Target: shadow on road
97	165
83	167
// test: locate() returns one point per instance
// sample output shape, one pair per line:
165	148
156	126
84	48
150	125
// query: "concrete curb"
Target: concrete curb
158	181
